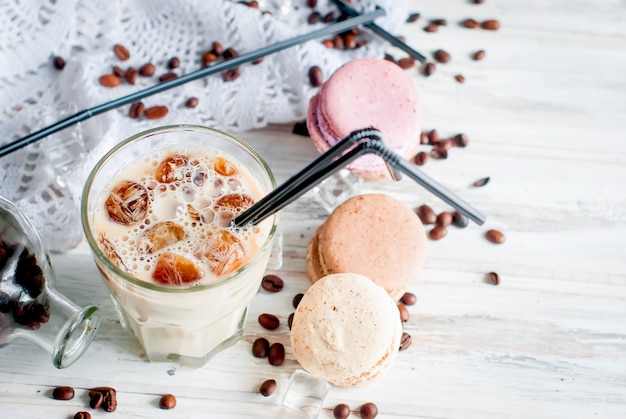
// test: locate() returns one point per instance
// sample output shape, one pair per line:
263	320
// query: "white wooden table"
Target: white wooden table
545	114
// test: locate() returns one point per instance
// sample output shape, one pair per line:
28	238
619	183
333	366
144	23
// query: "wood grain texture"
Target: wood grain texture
544	112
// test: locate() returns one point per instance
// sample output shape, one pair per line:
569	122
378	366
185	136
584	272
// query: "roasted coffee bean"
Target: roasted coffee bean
217	49
431	27
481	182
444	219
437	233
230	53
110	403
341	411
96	400
439	153
439	22
59	63
267	388
192	102
167	401
314	17
63	393
316	79
329	17
269	321
369	411
423	138
406	62
300	128
420	158
442	56
272	283
479	55
208	57
156	112
147	70
404	313
168	76
311	3
460	140
433	137
408	299
257	61
459	220
117	70
328	43
109	80
349	40
445	144
136	110
173	63
479	1
405	341
470	23
390	58
491	25
495	236
290	320
131	75
296	300
121	52
412	17
429	69
493	278
276	355
460	78
426	214
82	415
231	75
339	43
260	348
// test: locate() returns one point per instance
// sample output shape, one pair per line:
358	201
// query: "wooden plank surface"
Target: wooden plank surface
545	114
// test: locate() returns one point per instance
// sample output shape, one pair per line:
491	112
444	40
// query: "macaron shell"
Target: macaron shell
346	330
314	270
377	236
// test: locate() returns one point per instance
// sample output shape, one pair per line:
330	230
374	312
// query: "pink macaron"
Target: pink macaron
366	93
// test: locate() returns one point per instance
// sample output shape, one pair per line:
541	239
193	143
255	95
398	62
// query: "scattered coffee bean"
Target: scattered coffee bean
329	17
439	153
404	313
481	182
156	112
82	415
390	58
341	411
406	62
444	219
269	321
311	3
423	138
439	22
429	69
63	393
495	236
445	144
191	103
131	75
437	233
460	78
276	355
459	220
405	341
272	283
479	1
431	27
461	140
300	128
433	137
491	25
136	110
173	63
412	17
59	63
147	70
408	299
290	320
168	76
350	41
315	76
493	278
260	348
314	17
442	56
117	70
479	55
369	411
121	52
208	57
339	43
96	400
296	300
217	49
426	214
231	75
470	23
167	401
230	53
420	158
328	43
109	80
267	388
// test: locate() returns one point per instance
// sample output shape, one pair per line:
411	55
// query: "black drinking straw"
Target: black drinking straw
83	115
392	39
358	143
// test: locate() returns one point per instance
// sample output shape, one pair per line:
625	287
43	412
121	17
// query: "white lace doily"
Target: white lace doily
44	181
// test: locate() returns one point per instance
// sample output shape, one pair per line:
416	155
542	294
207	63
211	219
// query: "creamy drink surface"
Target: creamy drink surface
164	218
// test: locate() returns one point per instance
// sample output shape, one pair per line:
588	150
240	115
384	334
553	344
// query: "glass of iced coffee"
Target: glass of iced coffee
157	212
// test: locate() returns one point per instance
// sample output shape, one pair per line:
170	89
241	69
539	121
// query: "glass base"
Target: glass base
305	394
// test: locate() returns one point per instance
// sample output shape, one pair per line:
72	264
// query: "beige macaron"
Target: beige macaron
346	330
373	235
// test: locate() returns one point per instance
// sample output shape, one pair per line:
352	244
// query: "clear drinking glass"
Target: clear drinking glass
186	324
30	306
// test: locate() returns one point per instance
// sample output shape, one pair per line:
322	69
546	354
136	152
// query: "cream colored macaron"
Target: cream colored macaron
346	330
